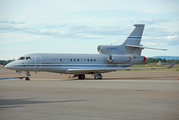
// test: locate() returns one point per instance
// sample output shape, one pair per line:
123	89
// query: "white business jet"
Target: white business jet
110	58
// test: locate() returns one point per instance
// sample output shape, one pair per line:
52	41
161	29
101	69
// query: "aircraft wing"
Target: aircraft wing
89	70
103	70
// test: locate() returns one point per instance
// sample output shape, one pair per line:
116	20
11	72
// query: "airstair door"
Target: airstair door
38	63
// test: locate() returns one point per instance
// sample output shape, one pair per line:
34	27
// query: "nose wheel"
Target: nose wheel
27	78
28	74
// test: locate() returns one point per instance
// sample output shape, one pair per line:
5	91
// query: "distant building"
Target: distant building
162	63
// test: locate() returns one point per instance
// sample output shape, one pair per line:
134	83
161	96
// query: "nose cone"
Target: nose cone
8	66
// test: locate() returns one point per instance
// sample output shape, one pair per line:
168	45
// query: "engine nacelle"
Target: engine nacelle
118	59
107	49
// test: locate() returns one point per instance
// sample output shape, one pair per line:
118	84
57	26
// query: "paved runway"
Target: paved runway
65	99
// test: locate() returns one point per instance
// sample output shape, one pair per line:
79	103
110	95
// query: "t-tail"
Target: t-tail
130	46
134	40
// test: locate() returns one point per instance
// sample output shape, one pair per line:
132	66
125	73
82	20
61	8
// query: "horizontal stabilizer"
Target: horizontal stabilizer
141	47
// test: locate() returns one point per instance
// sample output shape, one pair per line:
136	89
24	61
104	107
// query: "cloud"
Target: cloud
153	21
3	21
12	28
57	32
63	25
151	44
117	42
79	31
101	30
84	36
159	32
84	31
56	26
163	40
8	28
54	33
80	20
51	26
14	22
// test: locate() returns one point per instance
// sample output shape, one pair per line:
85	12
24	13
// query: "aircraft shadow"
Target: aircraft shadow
8	103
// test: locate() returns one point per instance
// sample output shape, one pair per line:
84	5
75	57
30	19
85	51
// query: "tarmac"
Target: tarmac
126	95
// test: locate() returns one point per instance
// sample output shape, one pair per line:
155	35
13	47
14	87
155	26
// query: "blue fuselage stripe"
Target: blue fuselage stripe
70	66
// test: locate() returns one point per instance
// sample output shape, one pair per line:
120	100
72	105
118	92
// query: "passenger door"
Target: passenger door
38	63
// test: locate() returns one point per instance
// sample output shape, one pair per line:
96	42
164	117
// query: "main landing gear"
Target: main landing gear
97	76
81	76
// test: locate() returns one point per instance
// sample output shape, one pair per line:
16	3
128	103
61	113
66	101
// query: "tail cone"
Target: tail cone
144	59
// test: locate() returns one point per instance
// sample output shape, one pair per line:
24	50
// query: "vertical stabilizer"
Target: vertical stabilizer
134	39
128	46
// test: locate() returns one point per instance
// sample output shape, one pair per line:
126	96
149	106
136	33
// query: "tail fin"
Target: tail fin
130	46
134	40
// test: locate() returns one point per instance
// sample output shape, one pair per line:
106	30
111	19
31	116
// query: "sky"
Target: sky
79	26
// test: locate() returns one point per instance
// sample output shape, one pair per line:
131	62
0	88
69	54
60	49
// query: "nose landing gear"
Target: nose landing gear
27	78
28	74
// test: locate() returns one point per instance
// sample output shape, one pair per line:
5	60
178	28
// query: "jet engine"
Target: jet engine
107	49
117	59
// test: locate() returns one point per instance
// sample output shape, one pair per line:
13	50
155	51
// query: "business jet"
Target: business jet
110	58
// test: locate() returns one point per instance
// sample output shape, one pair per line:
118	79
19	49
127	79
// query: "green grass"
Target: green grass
175	68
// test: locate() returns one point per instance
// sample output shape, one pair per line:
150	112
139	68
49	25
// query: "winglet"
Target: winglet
171	66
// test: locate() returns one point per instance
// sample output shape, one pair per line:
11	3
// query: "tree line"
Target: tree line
156	60
4	62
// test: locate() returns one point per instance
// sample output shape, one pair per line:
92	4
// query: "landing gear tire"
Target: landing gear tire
82	76
27	78
97	76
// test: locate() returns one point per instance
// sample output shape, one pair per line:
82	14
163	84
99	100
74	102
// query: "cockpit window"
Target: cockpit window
28	58
21	58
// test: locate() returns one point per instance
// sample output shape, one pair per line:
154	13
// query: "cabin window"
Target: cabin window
91	60
84	60
21	58
60	60
88	60
67	60
74	60
78	60
57	60
94	60
54	59
28	58
81	60
70	60
64	60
